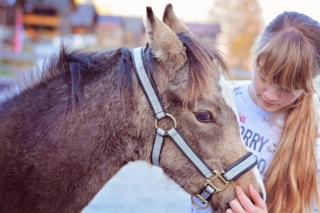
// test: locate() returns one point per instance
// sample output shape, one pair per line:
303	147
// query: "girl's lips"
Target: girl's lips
267	103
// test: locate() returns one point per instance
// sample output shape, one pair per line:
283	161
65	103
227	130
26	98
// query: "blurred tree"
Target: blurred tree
241	22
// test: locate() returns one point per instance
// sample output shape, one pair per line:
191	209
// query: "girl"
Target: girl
278	115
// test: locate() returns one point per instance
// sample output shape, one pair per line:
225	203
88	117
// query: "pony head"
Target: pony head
190	78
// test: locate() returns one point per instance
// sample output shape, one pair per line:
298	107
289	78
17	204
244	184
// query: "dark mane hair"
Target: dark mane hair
76	65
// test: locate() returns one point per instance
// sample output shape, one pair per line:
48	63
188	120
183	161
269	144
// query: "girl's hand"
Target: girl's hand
243	204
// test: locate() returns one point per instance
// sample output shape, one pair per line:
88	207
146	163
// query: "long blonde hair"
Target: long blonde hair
288	53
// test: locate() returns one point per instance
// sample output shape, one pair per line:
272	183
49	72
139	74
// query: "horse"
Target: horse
71	128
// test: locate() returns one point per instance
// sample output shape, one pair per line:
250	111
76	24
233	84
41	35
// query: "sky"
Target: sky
197	11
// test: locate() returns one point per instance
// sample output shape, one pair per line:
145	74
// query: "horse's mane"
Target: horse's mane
77	64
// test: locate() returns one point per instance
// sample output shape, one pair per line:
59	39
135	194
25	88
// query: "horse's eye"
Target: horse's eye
204	116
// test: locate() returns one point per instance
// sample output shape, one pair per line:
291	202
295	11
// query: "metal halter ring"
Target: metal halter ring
202	199
170	116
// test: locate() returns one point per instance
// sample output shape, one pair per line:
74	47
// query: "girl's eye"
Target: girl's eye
204	116
262	78
286	90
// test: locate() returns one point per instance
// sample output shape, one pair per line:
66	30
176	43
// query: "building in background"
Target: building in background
133	32
11	14
46	19
108	31
116	31
84	19
36	28
8	10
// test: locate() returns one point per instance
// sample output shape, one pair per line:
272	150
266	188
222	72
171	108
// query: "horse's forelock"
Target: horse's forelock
200	59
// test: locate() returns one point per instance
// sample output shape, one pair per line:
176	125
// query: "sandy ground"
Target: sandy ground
139	188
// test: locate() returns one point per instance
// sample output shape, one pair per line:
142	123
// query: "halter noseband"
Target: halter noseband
234	171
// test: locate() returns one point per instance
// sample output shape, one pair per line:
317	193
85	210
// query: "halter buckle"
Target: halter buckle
218	175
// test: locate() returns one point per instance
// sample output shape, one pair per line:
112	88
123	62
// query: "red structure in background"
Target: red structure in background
17	45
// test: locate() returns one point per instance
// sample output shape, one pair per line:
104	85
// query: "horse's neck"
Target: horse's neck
99	128
44	137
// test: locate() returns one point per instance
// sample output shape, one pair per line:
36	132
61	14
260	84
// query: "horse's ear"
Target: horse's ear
165	44
170	19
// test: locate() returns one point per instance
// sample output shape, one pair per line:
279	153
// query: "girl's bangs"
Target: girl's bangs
286	64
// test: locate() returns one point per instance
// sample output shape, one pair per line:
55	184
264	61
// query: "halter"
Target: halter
234	171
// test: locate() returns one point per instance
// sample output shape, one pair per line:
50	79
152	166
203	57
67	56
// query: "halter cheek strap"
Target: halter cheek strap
234	171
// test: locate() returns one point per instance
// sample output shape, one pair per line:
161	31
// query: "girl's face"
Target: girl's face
269	96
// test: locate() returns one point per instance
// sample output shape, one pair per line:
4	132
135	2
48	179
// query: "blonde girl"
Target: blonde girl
278	114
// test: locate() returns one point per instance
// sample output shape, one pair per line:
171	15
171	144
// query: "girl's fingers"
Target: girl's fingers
229	211
256	198
235	206
245	202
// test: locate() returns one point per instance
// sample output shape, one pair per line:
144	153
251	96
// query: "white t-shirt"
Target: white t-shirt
260	134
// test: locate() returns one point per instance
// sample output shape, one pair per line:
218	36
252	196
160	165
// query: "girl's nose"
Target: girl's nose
271	94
